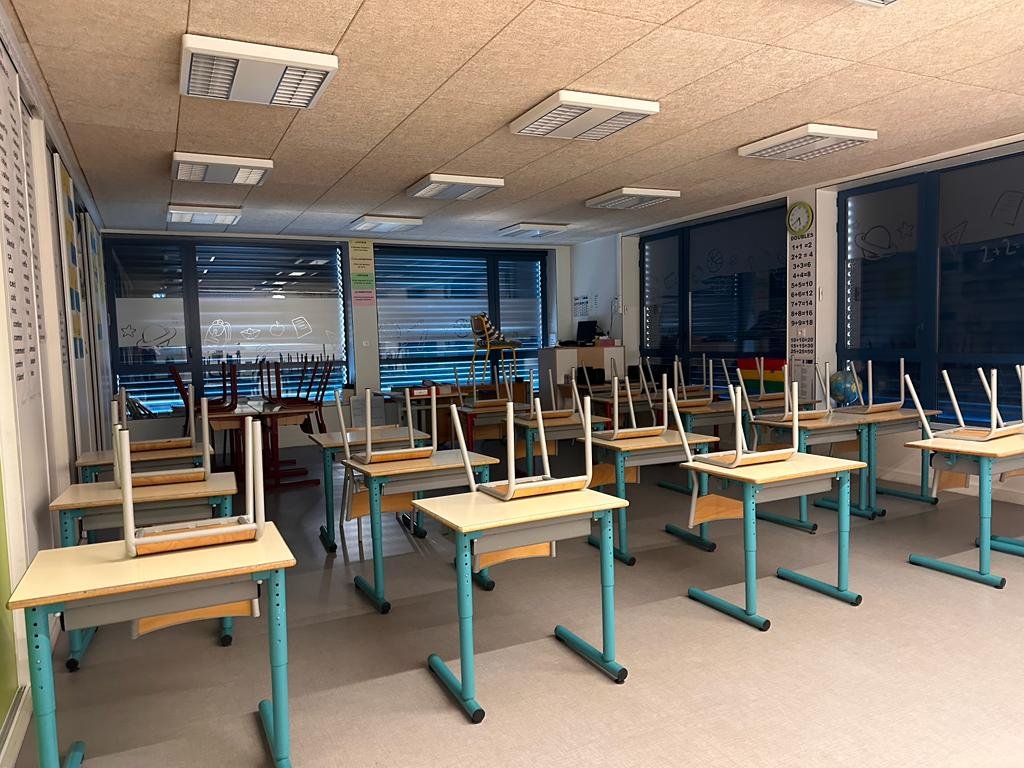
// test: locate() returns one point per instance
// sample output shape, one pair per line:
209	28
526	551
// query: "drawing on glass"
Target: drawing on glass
250	333
154	336
714	260
277	329
955	235
302	327
219	333
1007	207
128	331
905	231
874	244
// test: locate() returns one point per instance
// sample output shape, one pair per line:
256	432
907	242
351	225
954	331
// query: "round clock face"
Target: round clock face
799	218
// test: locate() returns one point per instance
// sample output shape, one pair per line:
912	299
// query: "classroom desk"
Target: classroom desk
666	448
842	426
91	503
983	459
801	475
97	584
475	416
333	443
91	464
482	523
442	470
569	428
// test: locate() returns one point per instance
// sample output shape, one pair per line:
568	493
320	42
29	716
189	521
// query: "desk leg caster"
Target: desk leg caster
379	601
227	631
71	665
483	580
610	667
330	545
78	640
469	705
729	609
416	530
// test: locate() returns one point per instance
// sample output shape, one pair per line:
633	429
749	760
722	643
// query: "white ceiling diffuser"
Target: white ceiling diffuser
582	116
219	169
370	223
444	186
630	198
808	142
531	229
262	74
202	214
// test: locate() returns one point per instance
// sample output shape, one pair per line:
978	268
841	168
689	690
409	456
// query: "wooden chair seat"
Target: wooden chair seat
488	431
393	503
604	474
397	454
521	448
726	458
948	479
161	445
168	477
230	532
163	621
526	489
773	446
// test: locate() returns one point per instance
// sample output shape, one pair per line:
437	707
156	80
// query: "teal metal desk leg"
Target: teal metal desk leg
330	544
274	712
1006	544
867	451
482	578
622	551
464	691
983	575
44	700
69	526
803	522
699	540
748	614
924	494
841	589
78	639
604	659
90	474
375	592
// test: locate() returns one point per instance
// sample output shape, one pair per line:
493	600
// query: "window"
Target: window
716	288
425	297
194	304
934	271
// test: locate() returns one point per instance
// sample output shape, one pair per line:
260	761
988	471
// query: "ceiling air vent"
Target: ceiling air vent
383	224
582	116
808	142
631	198
531	229
202	214
219	169
443	186
230	70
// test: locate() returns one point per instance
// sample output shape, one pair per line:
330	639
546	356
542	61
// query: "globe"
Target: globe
842	388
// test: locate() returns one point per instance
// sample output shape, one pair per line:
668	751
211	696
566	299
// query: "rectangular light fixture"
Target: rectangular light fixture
445	186
219	169
230	70
531	229
370	223
808	142
582	116
202	214
875	2
631	198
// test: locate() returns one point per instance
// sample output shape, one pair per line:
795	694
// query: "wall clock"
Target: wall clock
799	218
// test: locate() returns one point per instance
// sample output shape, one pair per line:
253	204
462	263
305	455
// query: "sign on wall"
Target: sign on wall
361	271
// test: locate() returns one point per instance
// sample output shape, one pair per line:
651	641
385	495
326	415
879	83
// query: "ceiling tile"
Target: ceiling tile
230	127
121	27
121	214
661	62
861	31
313	167
315	25
1003	73
986	37
278	194
199	193
547	47
499	154
658	11
763	21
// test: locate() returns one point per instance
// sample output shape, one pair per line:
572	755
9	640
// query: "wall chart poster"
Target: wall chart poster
802	270
95	287
361	271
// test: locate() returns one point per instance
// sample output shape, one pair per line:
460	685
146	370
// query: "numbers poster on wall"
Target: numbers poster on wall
801	307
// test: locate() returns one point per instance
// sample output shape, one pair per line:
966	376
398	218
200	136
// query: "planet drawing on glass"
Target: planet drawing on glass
874	244
156	336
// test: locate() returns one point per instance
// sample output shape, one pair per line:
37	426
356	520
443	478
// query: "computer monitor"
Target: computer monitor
586	332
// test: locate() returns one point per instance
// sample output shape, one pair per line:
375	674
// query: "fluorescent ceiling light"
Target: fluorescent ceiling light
528	229
277	295
230	70
630	198
875	2
444	186
808	142
296	274
202	214
582	116
219	169
370	223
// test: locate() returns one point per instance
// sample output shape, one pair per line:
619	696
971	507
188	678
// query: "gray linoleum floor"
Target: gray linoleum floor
928	671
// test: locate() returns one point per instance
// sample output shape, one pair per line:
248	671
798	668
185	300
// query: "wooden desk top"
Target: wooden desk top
569	421
106	458
106	495
666	439
469	512
94	570
1000	448
839	419
472	410
357	437
800	466
441	461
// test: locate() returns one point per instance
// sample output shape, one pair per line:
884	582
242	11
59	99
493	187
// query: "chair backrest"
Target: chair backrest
920	411
790	406
871	406
743	456
997	427
406	452
633	431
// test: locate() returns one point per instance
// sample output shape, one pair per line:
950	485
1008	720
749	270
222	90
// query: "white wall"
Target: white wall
596	281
